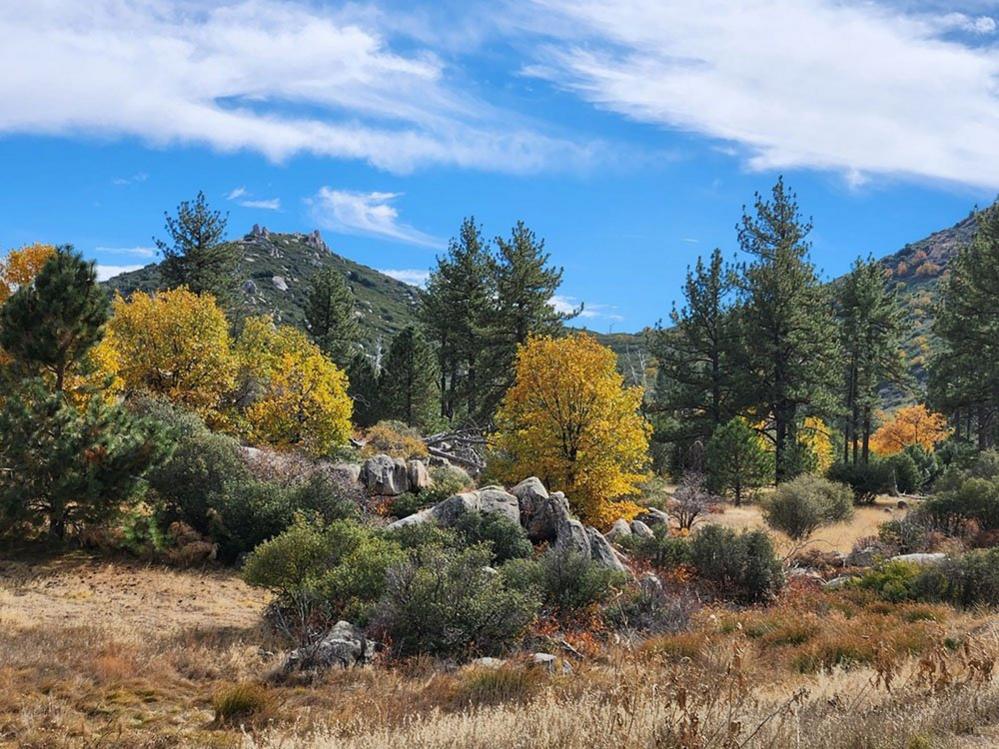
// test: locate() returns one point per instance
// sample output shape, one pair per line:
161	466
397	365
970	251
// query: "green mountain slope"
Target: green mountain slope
273	278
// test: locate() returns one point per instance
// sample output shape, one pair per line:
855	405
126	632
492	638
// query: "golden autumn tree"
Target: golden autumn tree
815	437
172	343
21	266
912	425
569	420
292	395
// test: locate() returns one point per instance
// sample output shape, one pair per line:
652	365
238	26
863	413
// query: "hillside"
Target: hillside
274	275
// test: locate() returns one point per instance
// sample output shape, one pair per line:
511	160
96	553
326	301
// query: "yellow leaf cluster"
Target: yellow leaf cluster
299	397
911	425
173	343
21	266
569	420
815	436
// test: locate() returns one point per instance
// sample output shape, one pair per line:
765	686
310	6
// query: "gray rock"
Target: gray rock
385	476
417	518
571	536
805	574
602	552
535	515
490	499
495	499
641	530
620	529
350	472
447	512
547	518
279	283
650	584
921	559
838	582
249	287
488	662
343	646
418	475
654	516
863	557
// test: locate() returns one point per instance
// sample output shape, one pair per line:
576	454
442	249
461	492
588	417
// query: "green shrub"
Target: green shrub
968	580
867	480
662	550
423	534
328	497
446	481
974	499
444	602
905	536
505	537
800	507
893	581
743	565
648	608
407	504
964	466
906	475
566	580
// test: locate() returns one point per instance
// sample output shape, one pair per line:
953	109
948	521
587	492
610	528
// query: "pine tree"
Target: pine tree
525	284
736	460
408	382
456	310
964	374
871	326
329	316
790	347
196	254
695	389
49	325
363	389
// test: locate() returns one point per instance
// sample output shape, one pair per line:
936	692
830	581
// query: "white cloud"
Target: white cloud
365	213
236	193
140	251
963	22
122	181
272	76
104	272
566	305
270	204
846	85
412	276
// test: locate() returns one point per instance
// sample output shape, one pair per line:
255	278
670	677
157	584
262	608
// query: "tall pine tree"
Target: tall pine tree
695	383
790	346
964	374
329	316
407	385
871	326
196	254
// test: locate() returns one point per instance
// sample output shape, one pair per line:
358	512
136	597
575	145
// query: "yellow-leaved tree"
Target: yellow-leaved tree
173	343
292	395
21	266
569	419
911	425
815	437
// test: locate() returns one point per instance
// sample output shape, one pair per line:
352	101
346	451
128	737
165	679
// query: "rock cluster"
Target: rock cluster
343	646
390	477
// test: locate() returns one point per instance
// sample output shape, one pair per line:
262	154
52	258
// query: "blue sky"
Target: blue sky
627	134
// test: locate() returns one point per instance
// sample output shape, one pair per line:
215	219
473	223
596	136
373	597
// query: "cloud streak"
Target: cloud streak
365	213
412	276
854	87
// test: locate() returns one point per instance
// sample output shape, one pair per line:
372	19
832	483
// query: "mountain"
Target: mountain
274	274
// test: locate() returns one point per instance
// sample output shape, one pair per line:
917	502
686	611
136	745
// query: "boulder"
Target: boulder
838	582
654	516
490	499
620	529
602	552
343	646
349	472
545	516
496	499
488	662
418	475
641	530
279	283
571	536
533	501
920	559
385	476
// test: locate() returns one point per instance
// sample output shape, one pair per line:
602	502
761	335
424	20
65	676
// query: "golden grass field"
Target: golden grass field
97	653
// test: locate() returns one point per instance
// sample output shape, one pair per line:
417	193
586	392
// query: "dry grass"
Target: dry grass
100	654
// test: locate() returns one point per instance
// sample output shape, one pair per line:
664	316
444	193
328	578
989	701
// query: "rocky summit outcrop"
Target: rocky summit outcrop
343	646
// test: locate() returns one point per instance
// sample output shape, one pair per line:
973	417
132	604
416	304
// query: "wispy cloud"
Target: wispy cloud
365	213
140	251
270	204
104	272
275	77
566	305
137	177
236	193
859	87
412	276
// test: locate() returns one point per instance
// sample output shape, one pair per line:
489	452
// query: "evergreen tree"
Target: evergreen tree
964	374
407	385
456	310
329	316
49	325
790	347
196	254
363	389
871	327
736	460
525	284
63	466
695	385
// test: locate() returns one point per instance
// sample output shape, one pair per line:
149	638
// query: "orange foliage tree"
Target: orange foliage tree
569	420
912	425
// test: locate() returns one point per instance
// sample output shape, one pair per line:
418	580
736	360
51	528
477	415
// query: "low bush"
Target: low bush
906	535
650	609
505	537
967	463
446	603
406	504
446	481
742	565
663	550
801	506
967	580
396	439
974	499
243	703
906	476
892	581
566	580
867	480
